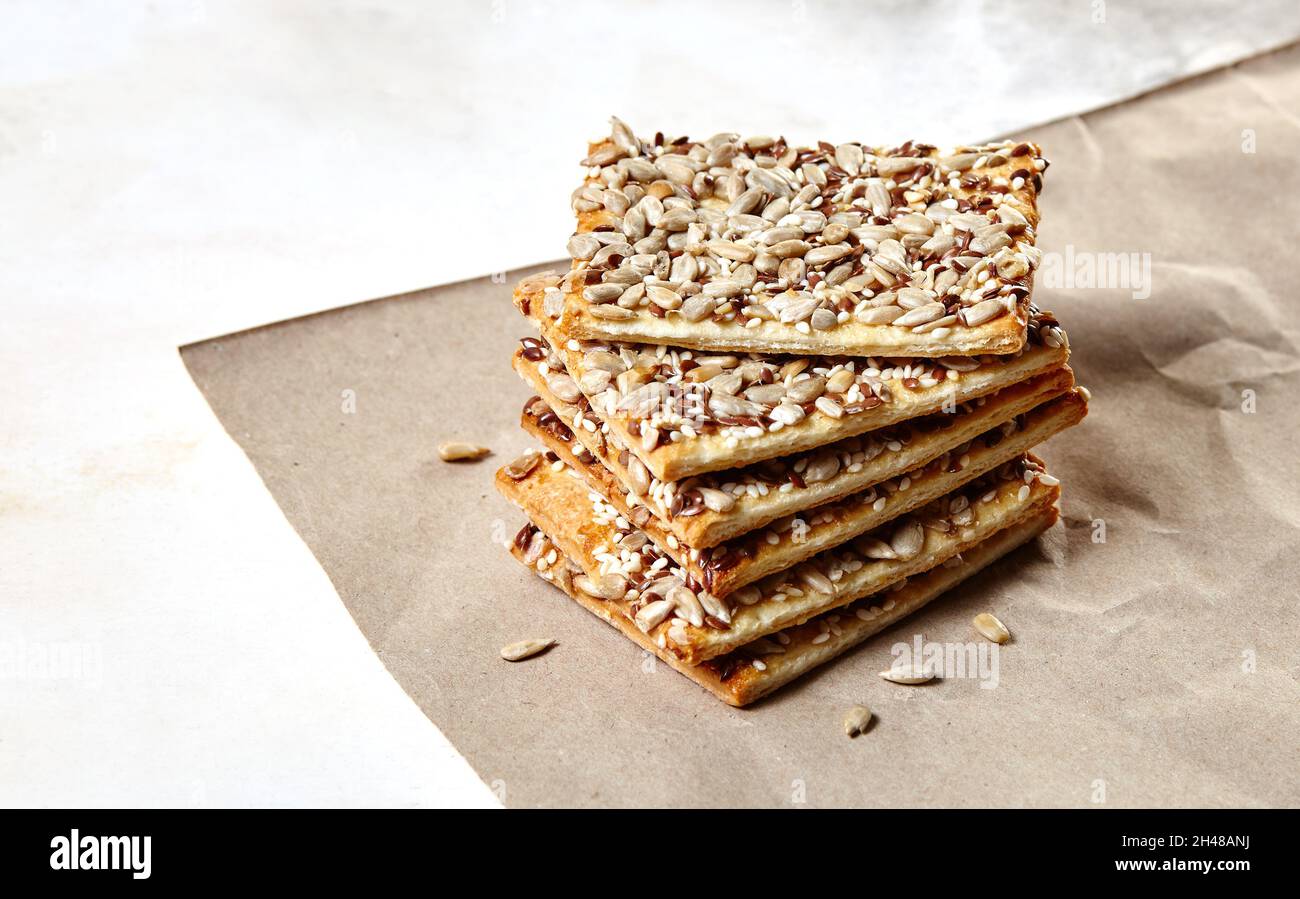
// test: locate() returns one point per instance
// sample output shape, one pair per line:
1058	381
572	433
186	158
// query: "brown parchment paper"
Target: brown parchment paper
1159	667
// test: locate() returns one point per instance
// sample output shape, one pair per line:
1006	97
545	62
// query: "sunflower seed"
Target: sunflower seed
677	219
1012	267
770	183
822	255
521	467
788	248
913	298
649	437
604	360
611	313
583	246
538	545
717	500
880	315
723	289
920	315
876	549
907	540
982	312
961	162
602	293
878	197
733	407
823	467
461	452
849	157
663	297
814	579
687	605
605	258
914	223
653	614
959	363
604	155
939	326
564	387
638	476
813	174
991	628
766	394
727	249
827	406
798	310
792	270
840	381
746	203
908	675
857	720
937	246
787	414
894	165
823	320
611	586
525	649
807	390
833	233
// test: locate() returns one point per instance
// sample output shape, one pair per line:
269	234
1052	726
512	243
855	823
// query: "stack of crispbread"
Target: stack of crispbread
785	395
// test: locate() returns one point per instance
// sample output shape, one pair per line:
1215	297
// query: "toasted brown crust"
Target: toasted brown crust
559	503
714	452
738	682
708	528
749	558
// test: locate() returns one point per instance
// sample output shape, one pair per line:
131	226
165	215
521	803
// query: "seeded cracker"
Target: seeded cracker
696	625
684	414
768	663
709	509
745	559
751	244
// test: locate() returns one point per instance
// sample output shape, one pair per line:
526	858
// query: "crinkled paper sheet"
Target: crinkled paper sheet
1158	667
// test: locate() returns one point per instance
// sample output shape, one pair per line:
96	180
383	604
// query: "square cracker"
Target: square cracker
748	558
767	664
743	499
696	625
756	245
683	414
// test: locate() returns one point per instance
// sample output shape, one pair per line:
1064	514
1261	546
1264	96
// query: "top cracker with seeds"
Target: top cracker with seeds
754	245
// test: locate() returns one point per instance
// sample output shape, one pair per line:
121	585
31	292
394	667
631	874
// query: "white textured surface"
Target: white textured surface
175	171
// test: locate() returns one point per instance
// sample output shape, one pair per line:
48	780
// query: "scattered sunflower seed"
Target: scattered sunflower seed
857	720
910	676
525	649
461	452
991	628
